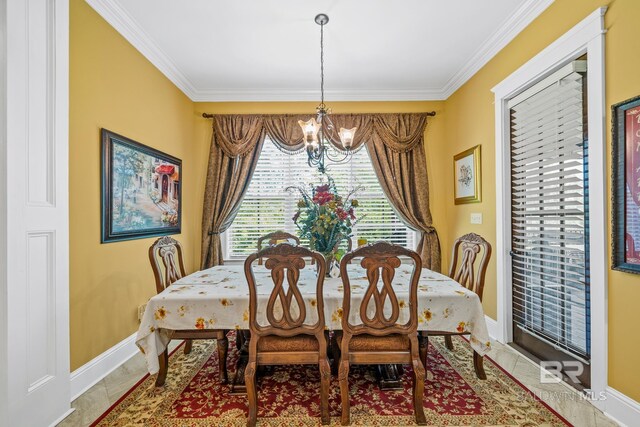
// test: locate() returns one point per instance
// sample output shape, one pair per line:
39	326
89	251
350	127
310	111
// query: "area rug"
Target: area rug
289	396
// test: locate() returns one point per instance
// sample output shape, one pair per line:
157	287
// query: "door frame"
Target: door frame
587	37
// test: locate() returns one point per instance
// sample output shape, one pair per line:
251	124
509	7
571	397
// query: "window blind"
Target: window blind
549	200
267	207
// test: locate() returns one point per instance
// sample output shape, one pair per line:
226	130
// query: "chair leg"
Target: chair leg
478	366
188	345
325	378
418	376
448	342
343	377
335	352
423	340
223	347
252	397
163	358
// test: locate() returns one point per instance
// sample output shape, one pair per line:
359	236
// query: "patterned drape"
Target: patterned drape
394	142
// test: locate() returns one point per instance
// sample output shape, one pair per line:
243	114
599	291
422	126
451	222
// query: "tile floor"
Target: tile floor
560	397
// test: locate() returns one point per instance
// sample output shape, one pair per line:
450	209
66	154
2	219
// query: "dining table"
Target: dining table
218	298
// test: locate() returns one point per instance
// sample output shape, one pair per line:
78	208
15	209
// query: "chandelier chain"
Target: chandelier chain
322	65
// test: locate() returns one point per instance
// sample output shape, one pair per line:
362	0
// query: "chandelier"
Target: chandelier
319	131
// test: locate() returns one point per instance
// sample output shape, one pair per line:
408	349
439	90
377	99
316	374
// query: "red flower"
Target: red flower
342	214
322	188
352	215
322	198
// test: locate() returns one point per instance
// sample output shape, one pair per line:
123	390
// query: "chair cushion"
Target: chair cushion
365	342
274	343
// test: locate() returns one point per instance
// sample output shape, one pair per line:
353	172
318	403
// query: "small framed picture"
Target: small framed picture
626	185
141	191
467	176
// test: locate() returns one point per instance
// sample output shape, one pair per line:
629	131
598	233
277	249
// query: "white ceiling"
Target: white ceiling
268	50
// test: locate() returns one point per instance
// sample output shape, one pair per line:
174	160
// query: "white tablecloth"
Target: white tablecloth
218	298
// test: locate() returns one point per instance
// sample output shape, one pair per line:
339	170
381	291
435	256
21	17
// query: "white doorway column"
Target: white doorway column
34	212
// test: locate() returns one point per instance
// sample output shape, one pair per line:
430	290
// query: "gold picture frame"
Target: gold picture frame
467	176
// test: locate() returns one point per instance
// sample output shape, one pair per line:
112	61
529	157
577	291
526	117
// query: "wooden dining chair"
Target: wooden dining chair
464	257
378	338
167	264
273	237
287	334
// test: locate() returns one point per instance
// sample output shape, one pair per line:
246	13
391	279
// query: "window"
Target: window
268	207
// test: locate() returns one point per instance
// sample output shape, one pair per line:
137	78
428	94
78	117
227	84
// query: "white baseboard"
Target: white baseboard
621	408
59	420
96	369
492	327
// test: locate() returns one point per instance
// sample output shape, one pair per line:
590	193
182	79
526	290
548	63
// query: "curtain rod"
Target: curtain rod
211	116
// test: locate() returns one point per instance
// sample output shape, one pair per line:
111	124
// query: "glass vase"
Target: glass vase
330	259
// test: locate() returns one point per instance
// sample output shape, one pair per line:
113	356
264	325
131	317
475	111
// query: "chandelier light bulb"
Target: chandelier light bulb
346	137
310	130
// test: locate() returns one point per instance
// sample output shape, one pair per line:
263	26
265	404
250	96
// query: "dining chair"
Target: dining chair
465	271
376	337
165	255
273	237
288	331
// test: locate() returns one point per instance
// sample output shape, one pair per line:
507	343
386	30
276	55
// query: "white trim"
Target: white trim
586	37
529	11
492	327
122	22
4	297
62	417
621	408
86	376
131	30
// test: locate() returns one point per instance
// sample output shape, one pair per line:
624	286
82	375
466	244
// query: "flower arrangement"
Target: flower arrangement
325	217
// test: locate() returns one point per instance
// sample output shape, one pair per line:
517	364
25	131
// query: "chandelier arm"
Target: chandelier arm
339	157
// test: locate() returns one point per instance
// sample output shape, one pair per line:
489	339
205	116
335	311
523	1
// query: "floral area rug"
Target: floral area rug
289	395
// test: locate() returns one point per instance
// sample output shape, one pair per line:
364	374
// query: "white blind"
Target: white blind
268	207
549	192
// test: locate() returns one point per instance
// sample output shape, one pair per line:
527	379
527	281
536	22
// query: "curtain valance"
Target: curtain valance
237	134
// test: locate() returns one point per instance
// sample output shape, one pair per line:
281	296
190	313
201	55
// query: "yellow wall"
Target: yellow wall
113	86
434	134
470	121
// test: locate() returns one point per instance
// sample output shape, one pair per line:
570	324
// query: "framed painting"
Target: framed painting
141	192
467	176
626	185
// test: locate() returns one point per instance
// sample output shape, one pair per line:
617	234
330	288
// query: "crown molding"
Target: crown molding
262	95
122	22
129	28
529	11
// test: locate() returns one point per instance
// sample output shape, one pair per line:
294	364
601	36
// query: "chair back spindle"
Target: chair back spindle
166	260
465	253
380	261
285	261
